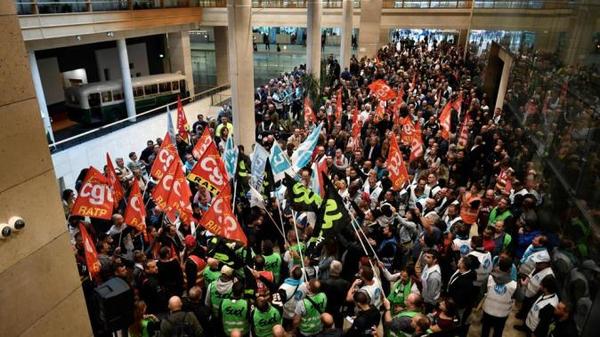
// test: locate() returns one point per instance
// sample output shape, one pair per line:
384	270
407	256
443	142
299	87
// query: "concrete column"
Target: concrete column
39	93
126	76
463	35
180	56
221	55
241	70
313	38
384	37
508	61
370	26
346	43
41	251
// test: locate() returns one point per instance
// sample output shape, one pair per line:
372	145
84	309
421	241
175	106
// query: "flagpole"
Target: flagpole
300	248
281	220
275	223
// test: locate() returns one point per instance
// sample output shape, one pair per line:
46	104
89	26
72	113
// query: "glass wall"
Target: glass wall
554	98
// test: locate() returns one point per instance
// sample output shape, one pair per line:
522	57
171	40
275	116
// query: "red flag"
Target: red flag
395	165
161	192
380	110
416	144
180	196
209	171
444	120
135	213
219	220
202	144
182	124
381	90
309	114
399	99
117	188
165	157
91	257
95	197
414	82
338	105
408	130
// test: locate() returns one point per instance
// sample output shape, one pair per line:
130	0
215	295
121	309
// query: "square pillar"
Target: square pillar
180	57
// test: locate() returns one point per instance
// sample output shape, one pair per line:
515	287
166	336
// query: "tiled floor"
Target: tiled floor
509	331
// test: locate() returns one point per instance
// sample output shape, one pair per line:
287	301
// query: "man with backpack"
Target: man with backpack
308	311
180	323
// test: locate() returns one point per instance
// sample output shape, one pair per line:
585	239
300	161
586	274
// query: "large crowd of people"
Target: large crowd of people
464	239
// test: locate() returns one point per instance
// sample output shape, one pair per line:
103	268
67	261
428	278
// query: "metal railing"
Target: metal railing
107	128
30	7
299	3
480	4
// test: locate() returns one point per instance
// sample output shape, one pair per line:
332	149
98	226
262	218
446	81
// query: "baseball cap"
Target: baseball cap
226	270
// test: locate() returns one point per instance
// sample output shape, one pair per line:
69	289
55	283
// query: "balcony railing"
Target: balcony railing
499	4
28	7
299	3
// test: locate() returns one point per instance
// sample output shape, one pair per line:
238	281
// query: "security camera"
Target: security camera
16	223
5	231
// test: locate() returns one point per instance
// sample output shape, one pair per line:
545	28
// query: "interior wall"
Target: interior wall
109	59
40	292
51	80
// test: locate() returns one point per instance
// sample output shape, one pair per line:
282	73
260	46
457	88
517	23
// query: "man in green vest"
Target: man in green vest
400	324
219	290
264	318
235	311
399	292
211	271
272	260
307	318
500	212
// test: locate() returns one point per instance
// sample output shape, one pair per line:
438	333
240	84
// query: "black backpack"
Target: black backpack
181	328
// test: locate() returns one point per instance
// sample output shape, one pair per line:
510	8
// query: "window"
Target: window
106	96
138	91
150	89
117	95
175	86
94	100
164	87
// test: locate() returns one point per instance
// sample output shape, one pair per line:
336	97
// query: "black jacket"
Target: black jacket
365	319
461	289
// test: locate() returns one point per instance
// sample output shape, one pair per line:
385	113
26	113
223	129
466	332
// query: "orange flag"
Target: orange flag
182	124
202	144
395	165
95	197
209	171
165	157
220	220
381	90
416	144
309	114
91	257
135	213
117	188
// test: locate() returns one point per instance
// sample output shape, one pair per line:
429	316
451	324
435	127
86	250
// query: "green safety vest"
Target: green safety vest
216	298
296	248
210	275
264	321
242	171
234	314
409	314
273	264
311	321
494	216
399	294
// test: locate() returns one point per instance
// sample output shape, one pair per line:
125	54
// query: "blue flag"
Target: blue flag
301	157
279	162
230	157
259	162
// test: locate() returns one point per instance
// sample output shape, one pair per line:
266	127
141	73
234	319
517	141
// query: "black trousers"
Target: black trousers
489	322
